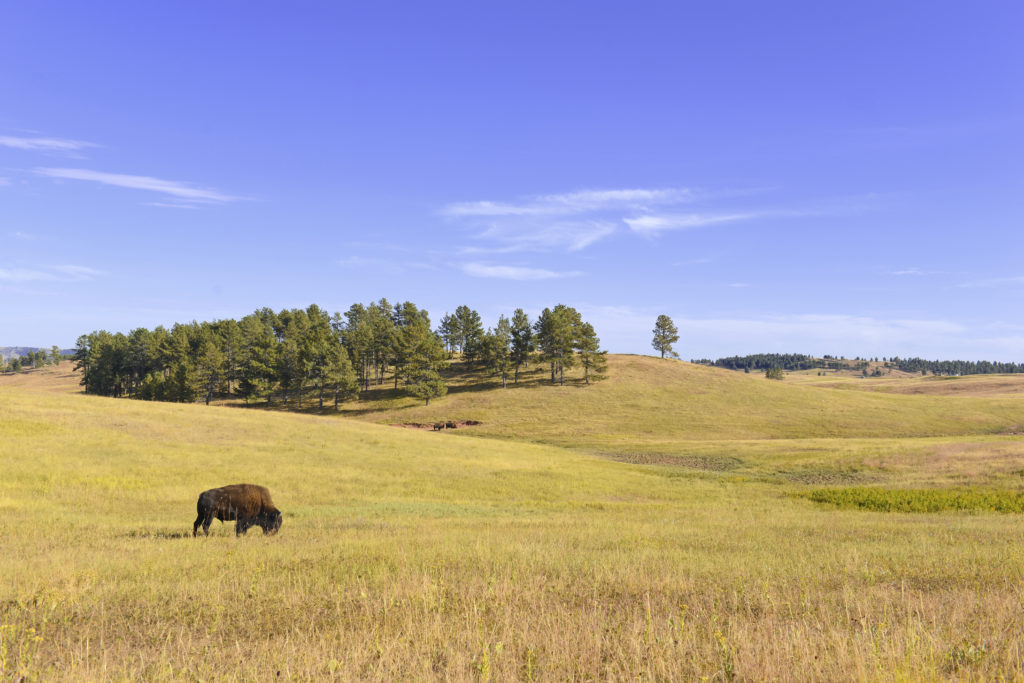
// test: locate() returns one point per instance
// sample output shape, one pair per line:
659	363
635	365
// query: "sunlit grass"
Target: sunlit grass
419	555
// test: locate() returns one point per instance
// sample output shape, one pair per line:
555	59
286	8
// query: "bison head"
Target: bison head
271	521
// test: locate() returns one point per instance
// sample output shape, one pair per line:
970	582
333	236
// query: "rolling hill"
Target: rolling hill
413	554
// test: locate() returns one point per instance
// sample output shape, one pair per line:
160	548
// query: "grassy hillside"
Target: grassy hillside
674	400
408	554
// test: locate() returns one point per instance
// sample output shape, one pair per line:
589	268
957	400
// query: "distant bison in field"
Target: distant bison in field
438	426
450	425
247	504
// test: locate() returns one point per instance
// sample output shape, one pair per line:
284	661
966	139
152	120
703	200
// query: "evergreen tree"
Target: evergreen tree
495	351
471	332
588	348
427	358
522	341
257	355
450	333
555	330
665	335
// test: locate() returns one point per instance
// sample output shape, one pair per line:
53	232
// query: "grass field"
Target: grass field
658	525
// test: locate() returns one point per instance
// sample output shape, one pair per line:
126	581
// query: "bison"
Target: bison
450	425
247	504
438	426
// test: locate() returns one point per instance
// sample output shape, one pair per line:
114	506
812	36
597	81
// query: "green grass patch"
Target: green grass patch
919	500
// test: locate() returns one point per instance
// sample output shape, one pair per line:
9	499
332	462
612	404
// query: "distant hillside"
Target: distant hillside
8	352
653	404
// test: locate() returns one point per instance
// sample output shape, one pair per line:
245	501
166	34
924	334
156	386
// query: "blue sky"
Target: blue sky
812	177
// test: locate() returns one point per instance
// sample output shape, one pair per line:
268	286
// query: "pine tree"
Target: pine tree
555	330
471	332
522	340
427	357
665	335
588	348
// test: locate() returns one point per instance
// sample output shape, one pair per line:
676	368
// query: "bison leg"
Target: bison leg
195	526
242	526
207	522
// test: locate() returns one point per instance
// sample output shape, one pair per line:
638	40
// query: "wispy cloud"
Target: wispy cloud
176	190
584	201
575	220
995	282
520	236
4	182
513	272
171	205
44	144
656	224
49	273
24	275
78	272
571	221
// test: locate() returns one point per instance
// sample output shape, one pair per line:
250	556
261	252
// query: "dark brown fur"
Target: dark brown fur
246	504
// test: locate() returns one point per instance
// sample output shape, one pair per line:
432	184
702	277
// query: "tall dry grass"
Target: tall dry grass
413	555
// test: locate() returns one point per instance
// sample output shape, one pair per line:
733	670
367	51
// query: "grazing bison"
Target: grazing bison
450	425
438	426
247	504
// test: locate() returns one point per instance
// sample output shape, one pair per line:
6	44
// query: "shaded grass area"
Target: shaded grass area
920	500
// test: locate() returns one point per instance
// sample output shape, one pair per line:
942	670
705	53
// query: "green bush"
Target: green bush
920	500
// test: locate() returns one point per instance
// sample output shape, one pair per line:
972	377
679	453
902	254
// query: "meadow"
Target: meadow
659	525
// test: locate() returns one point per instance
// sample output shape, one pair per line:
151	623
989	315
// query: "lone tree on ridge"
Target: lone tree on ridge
665	334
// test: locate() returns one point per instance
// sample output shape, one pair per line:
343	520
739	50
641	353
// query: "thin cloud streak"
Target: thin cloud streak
63	273
570	203
182	191
44	144
654	225
24	275
1013	281
78	272
513	272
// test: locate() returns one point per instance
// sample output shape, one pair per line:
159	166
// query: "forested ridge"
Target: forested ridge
798	361
288	355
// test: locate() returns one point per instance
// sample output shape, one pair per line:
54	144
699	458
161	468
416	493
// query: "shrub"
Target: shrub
920	500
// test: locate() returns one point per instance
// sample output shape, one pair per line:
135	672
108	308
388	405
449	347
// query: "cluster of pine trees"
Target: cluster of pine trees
286	355
767	361
33	359
954	367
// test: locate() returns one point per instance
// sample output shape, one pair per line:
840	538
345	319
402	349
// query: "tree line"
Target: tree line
35	358
798	361
768	361
954	367
284	356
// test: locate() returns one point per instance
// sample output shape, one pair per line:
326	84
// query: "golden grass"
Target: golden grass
414	555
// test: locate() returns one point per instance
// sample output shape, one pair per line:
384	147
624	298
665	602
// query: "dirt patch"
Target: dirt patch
430	425
827	477
710	463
